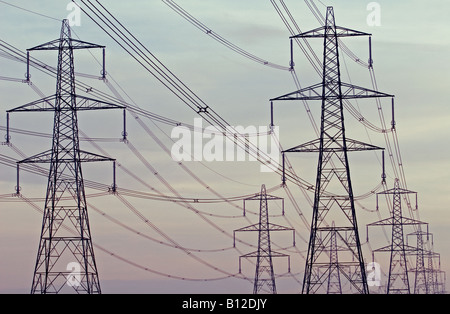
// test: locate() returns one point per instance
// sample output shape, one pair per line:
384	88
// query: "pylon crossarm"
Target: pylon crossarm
254	227
46	157
313	92
344	32
321	32
87	103
44	104
80	44
398	190
91	157
410	221
275	227
388	248
271	227
383	222
314	147
390	222
75	44
257	197
349	91
354	145
278	254
256	254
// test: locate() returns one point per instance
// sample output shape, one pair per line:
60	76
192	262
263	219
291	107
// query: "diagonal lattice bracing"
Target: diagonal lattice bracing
264	273
398	280
65	259
333	199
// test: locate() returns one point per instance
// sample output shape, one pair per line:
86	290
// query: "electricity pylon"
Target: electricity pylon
65	259
398	281
264	274
434	277
334	278
333	198
420	280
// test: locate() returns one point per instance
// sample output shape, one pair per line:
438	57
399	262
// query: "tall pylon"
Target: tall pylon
333	198
420	280
398	280
429	278
65	260
435	277
264	274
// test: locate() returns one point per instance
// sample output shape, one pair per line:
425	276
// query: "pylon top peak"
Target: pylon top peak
323	31
67	41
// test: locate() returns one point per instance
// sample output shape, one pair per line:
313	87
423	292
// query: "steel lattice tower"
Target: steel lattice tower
431	282
334	280
65	259
264	274
333	198
429	279
398	281
435	277
420	280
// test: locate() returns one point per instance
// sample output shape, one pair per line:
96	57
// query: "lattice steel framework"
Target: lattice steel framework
435	277
264	273
420	280
398	280
65	259
333	197
334	276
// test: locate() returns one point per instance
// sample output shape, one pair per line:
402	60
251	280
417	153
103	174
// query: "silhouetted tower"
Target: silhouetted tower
264	274
435	276
420	280
440	276
431	274
65	258
398	281
334	277
333	198
430	279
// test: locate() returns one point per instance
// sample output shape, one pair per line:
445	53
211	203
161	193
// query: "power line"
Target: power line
30	11
192	20
394	153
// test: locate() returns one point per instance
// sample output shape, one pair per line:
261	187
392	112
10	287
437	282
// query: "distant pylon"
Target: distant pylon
431	274
435	276
398	280
65	259
429	279
333	198
420	280
334	277
264	273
